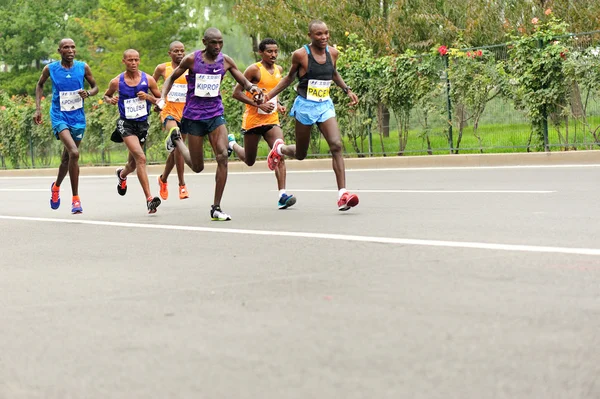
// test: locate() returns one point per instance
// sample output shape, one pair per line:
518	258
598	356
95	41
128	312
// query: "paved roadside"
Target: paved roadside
461	160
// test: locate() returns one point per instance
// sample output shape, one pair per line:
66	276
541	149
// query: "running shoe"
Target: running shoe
76	207
55	196
347	201
230	139
217	214
173	135
152	203
285	201
274	158
163	188
122	184
183	192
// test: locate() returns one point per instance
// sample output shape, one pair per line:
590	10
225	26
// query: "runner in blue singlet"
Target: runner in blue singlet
66	114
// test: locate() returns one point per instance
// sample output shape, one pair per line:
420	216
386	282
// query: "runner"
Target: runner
262	120
314	64
132	126
170	117
66	114
203	112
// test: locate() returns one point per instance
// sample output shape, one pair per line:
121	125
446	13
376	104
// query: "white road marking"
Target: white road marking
23	189
324	236
257	172
427	191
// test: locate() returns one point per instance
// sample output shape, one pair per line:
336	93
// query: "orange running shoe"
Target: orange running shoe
183	192
164	189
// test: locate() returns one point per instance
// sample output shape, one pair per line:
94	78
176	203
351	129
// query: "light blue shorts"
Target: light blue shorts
310	112
76	133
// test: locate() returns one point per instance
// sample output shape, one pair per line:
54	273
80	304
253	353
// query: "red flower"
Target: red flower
443	50
479	53
469	54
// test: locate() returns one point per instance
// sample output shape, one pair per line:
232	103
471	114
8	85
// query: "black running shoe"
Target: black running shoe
122	184
153	204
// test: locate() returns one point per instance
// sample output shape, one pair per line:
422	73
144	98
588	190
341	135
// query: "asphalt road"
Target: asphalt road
442	283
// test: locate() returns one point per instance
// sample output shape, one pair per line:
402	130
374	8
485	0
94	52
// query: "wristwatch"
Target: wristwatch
347	89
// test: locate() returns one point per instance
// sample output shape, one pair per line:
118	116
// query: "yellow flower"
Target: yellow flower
100	102
346	33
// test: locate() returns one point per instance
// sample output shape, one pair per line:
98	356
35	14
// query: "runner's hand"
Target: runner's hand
113	100
267	107
353	98
257	94
281	108
142	95
37	117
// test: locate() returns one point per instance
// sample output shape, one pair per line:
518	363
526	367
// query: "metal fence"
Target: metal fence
501	128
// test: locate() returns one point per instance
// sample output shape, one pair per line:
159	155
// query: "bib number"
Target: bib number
70	101
177	93
207	85
318	90
272	101
135	108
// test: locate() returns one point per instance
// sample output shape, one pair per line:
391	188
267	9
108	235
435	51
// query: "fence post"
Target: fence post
31	149
448	103
370	133
103	145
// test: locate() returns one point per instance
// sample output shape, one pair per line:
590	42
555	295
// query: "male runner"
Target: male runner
314	65
203	112
66	114
132	126
170	117
262	120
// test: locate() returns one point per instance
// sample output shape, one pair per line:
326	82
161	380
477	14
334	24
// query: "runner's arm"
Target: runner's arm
239	76
289	79
187	63
113	87
90	79
39	92
153	87
238	92
159	72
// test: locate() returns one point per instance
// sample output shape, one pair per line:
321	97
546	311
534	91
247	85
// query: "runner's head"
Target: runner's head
213	41
66	49
176	51
318	33
268	51
131	59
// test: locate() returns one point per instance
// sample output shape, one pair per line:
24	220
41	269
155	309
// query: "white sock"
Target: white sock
230	144
281	192
342	192
278	149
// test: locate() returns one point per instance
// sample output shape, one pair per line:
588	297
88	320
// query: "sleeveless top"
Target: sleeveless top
314	84
176	98
203	99
130	106
67	104
254	116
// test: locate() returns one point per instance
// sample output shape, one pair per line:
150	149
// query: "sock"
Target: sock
278	149
342	192
56	187
76	198
150	198
230	144
281	192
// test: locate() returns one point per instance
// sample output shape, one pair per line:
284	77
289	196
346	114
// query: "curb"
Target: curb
420	161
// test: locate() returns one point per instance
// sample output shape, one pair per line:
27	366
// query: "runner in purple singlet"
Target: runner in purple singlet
203	112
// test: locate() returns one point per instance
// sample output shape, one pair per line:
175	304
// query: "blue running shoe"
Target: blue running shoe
55	197
76	207
285	201
230	139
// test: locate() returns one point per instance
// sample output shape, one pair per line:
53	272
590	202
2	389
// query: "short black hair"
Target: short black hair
315	22
265	42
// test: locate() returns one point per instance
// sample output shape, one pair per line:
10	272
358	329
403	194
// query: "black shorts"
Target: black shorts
201	127
127	128
260	130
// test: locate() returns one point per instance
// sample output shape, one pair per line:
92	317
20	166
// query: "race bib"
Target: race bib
207	85
135	108
177	93
70	101
272	101
318	90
